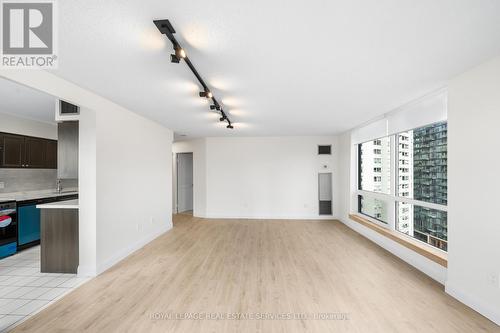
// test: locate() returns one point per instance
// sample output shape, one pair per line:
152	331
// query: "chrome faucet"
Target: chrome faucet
59	186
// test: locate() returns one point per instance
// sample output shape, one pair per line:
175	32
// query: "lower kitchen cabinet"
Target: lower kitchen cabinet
28	221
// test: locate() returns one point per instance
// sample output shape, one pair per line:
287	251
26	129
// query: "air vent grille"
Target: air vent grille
325	150
68	108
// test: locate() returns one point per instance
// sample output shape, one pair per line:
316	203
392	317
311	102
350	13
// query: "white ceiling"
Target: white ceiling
25	102
281	67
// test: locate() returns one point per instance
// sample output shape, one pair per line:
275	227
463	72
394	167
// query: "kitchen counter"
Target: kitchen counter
32	195
59	237
67	204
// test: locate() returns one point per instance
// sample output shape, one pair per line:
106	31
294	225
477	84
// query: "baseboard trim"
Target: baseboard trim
271	217
489	312
86	271
122	254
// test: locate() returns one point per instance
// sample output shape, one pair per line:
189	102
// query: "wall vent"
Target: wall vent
66	109
325	150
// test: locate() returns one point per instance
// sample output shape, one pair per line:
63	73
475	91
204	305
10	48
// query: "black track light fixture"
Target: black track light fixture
166	28
174	59
206	94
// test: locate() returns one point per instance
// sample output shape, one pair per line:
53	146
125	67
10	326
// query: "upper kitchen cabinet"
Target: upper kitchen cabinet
12	150
18	151
51	154
67	150
35	150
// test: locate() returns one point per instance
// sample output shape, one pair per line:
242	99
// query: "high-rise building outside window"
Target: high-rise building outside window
423	177
375	165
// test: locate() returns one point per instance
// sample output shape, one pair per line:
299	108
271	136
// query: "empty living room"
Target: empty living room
249	166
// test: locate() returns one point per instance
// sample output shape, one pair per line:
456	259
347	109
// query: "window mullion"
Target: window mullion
393	171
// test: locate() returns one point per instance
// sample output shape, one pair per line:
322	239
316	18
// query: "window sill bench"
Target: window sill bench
435	255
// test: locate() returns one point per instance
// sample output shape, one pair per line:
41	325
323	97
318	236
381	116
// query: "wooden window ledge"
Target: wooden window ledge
427	251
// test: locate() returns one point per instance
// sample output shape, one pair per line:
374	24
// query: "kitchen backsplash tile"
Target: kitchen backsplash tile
16	180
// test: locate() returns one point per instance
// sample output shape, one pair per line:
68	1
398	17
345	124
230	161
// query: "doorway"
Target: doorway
184	182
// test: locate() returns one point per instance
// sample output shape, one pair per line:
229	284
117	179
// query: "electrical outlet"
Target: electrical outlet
2	185
493	280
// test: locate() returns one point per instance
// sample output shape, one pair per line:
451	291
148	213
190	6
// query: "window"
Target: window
429	225
374	165
425	167
374	208
415	186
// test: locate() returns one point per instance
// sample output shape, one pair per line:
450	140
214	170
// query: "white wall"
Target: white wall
87	196
267	177
198	148
23	126
474	227
134	183
125	173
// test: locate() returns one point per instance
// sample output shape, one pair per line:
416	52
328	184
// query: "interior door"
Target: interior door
184	182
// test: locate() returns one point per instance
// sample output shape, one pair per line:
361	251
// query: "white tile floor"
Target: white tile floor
24	290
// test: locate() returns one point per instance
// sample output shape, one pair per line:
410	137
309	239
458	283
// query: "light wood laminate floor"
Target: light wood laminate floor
256	268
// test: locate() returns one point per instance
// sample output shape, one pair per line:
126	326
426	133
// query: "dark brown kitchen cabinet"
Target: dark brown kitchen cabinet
34	152
18	151
51	154
12	151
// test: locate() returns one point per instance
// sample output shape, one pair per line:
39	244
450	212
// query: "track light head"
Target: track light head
206	94
230	126
222	118
212	107
180	53
174	59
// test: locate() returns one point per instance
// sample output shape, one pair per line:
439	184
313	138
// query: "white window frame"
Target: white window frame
392	198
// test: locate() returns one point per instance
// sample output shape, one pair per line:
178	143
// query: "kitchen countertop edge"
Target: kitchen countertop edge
68	204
